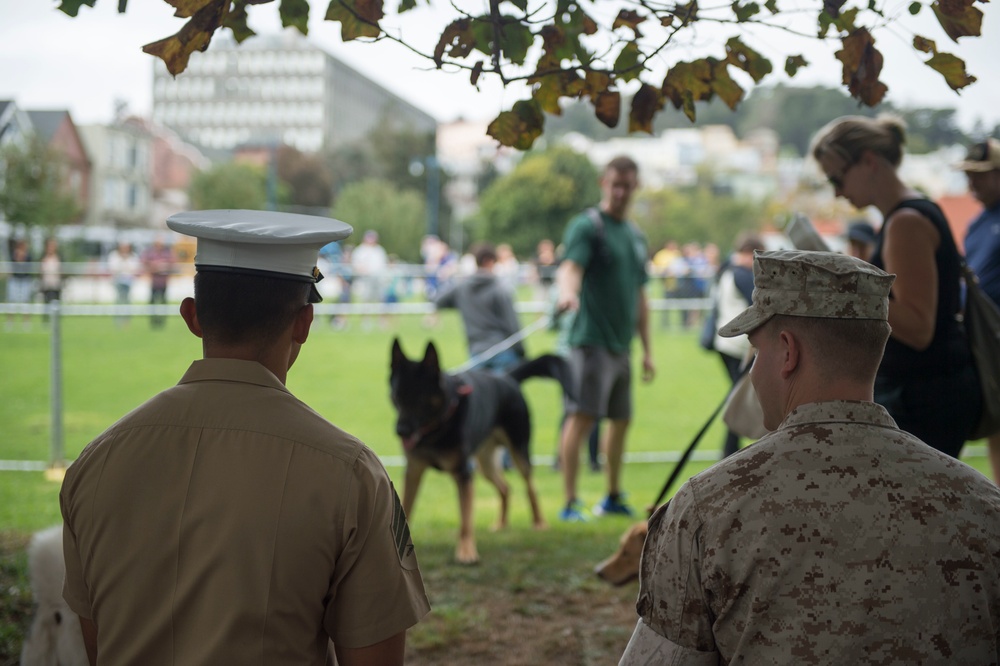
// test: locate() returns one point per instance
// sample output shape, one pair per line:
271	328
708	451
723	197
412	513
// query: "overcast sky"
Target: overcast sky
49	60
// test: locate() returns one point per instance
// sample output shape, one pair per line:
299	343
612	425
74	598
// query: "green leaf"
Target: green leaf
772	6
847	21
915	8
519	127
627	64
295	13
515	40
72	7
358	18
745	12
742	56
793	64
406	5
953	70
520	4
236	20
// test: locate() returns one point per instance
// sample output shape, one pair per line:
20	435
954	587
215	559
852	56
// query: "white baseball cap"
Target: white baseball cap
256	242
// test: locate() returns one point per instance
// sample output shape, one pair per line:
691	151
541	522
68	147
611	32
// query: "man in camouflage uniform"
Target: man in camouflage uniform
836	538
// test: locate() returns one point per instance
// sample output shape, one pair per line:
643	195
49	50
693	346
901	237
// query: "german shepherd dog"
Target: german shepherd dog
455	422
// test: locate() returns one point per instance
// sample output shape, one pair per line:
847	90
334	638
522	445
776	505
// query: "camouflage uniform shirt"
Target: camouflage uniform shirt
835	539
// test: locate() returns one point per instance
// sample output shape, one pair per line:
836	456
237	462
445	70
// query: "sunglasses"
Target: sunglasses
838	181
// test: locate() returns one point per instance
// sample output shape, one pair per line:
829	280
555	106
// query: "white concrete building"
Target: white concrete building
276	89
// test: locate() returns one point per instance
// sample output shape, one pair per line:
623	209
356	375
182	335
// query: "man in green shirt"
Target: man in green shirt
602	277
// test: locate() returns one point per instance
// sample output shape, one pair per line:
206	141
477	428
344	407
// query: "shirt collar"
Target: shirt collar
231	370
839	411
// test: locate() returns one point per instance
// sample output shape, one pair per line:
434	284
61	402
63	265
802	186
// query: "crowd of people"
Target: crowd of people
850	533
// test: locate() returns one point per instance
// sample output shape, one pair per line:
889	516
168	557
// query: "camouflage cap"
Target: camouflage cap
812	284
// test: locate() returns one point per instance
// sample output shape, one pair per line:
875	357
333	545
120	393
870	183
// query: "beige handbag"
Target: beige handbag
743	413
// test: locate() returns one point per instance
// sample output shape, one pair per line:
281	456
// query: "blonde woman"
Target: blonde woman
926	379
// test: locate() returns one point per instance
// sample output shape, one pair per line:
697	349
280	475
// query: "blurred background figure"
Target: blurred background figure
20	281
124	266
545	265
370	263
860	239
507	267
50	278
158	262
668	263
982	241
734	293
926	380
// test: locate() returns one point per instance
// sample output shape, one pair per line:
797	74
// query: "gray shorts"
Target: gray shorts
603	383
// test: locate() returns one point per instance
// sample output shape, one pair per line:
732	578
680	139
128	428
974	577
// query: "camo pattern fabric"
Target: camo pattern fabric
836	539
812	284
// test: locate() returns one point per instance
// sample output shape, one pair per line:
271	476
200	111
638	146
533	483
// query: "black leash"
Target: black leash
697	438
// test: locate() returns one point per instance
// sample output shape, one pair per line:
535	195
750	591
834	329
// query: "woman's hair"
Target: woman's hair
848	137
239	309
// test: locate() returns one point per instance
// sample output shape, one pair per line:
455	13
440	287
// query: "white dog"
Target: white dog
54	637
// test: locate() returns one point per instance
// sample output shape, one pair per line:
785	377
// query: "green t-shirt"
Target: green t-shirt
612	279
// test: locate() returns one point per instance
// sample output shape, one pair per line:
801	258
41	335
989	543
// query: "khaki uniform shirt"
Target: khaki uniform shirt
836	539
225	522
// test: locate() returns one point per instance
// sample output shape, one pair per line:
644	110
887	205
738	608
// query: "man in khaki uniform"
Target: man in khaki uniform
837	538
224	521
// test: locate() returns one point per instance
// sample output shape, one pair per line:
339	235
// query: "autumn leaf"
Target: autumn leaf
687	82
924	45
686	13
742	56
724	86
519	127
832	7
72	7
794	63
515	37
862	63
958	18
187	8
196	35
477	70
295	13
646	103
457	40
630	19
607	107
358	18
953	70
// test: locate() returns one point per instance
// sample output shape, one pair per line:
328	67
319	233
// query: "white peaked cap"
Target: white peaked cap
259	242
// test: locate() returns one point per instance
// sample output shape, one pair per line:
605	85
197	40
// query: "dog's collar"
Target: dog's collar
461	391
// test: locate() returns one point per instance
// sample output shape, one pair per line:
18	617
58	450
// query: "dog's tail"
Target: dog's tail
547	365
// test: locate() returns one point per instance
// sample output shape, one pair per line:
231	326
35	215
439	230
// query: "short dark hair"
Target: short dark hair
622	164
234	308
851	347
483	252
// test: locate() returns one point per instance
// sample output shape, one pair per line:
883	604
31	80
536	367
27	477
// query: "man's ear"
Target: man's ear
190	315
792	350
303	321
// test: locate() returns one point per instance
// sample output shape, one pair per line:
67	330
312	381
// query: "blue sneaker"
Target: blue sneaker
613	505
573	513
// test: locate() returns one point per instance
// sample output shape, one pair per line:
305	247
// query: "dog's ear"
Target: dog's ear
397	354
430	361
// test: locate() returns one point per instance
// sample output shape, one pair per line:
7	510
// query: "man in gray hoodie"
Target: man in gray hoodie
487	310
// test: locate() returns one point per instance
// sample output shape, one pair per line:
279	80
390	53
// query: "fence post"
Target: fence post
57	461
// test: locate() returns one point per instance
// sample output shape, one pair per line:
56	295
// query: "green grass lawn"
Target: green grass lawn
529	584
